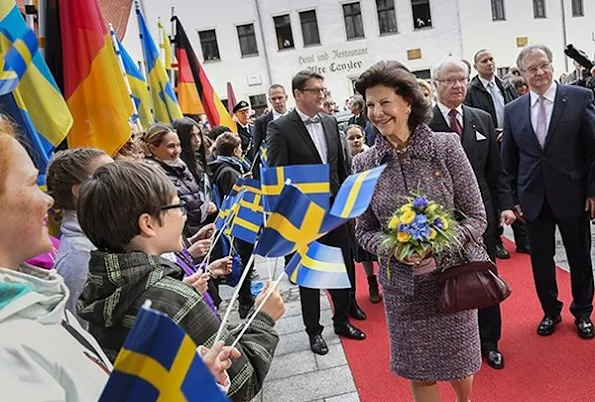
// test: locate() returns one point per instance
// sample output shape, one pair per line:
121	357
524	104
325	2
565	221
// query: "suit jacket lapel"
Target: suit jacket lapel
559	106
439	121
329	128
303	132
469	132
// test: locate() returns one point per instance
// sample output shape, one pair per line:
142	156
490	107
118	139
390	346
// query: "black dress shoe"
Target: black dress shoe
494	359
547	326
349	331
584	328
318	345
523	249
356	312
501	252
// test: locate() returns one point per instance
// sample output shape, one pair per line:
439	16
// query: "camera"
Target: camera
579	56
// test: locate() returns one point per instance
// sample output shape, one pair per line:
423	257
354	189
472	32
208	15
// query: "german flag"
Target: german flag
94	87
191	72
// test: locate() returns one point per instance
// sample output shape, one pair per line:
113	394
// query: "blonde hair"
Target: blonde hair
154	135
7	135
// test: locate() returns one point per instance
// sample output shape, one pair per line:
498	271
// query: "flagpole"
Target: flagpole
29	16
173	33
124	75
258	308
146	65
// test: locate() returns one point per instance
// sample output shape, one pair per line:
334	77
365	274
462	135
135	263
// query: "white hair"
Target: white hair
449	61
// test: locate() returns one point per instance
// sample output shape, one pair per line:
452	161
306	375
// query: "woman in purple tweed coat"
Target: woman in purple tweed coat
426	346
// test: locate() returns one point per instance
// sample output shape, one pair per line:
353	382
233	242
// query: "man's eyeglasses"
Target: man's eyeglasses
543	67
315	91
451	82
181	206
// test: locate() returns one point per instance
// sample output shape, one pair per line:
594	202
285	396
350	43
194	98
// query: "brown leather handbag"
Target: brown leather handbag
470	286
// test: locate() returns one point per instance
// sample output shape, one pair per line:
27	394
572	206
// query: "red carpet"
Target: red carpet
558	368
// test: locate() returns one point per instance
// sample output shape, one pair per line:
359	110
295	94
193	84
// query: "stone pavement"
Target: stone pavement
297	374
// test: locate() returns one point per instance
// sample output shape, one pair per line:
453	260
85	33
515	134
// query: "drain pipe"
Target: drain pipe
264	46
564	37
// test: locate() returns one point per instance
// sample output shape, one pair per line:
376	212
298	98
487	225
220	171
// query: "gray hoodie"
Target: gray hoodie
72	260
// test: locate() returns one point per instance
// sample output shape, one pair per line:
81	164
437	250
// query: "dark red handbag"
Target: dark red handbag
470	286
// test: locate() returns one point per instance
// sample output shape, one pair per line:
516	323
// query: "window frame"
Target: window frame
276	26
415	3
577	8
494	4
245	36
536	9
361	20
391	13
309	23
209	41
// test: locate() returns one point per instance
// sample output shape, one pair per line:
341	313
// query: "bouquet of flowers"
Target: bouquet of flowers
419	227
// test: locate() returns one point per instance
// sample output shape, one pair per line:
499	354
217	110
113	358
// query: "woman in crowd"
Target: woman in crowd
127	269
194	152
44	353
356	141
67	171
426	346
131	150
426	90
162	146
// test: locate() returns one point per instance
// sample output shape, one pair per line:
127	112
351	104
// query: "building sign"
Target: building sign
521	41
413	54
334	61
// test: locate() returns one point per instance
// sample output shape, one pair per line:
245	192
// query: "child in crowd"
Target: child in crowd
127	269
356	141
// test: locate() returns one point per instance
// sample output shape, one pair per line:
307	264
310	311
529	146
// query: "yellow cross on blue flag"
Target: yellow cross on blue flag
296	220
312	180
249	218
318	266
159	362
15	61
264	159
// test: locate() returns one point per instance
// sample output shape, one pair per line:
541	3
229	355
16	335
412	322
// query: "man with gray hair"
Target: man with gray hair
548	151
357	106
478	136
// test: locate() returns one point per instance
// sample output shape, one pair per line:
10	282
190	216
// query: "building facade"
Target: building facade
255	43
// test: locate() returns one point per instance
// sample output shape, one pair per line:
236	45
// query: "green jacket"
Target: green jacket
119	284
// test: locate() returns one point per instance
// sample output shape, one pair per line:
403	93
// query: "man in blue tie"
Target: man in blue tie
489	93
548	151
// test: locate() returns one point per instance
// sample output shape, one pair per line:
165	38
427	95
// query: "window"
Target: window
578	9
258	103
502	71
498	10
208	42
283	29
247	38
421	14
387	19
354	26
309	28
423	74
539	8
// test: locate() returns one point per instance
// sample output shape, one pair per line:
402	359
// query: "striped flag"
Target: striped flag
163	97
93	83
318	266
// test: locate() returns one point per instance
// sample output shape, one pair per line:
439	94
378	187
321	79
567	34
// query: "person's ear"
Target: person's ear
75	190
147	225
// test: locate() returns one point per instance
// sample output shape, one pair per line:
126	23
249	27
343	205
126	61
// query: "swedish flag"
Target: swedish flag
249	217
312	180
264	159
158	362
355	193
15	61
318	266
295	221
165	103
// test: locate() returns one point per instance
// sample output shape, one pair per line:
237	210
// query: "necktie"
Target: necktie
541	122
454	122
498	104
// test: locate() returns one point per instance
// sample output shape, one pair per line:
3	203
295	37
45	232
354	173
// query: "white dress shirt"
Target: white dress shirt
276	114
550	96
316	132
446	110
498	104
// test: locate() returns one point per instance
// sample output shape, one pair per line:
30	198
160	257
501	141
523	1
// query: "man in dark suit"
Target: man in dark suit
306	136
241	112
278	99
478	137
489	93
548	152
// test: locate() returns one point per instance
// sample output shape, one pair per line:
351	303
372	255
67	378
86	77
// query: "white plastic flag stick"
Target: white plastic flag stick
235	295
259	308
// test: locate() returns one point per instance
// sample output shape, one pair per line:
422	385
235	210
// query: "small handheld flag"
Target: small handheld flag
318	266
159	362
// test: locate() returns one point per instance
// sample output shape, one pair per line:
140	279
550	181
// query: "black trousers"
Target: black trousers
490	318
342	298
519	228
576	236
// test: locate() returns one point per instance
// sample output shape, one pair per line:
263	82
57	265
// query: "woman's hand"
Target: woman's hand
198	281
211	209
221	267
200	248
218	360
415	259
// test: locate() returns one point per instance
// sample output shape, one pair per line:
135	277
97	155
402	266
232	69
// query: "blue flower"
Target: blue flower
420	203
405	228
438	223
420	219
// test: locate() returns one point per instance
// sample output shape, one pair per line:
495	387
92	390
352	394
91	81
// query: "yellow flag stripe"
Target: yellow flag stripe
353	194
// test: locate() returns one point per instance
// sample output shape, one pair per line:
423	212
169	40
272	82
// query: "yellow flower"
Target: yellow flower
394	223
431	208
403	237
445	223
408	217
406	208
433	234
